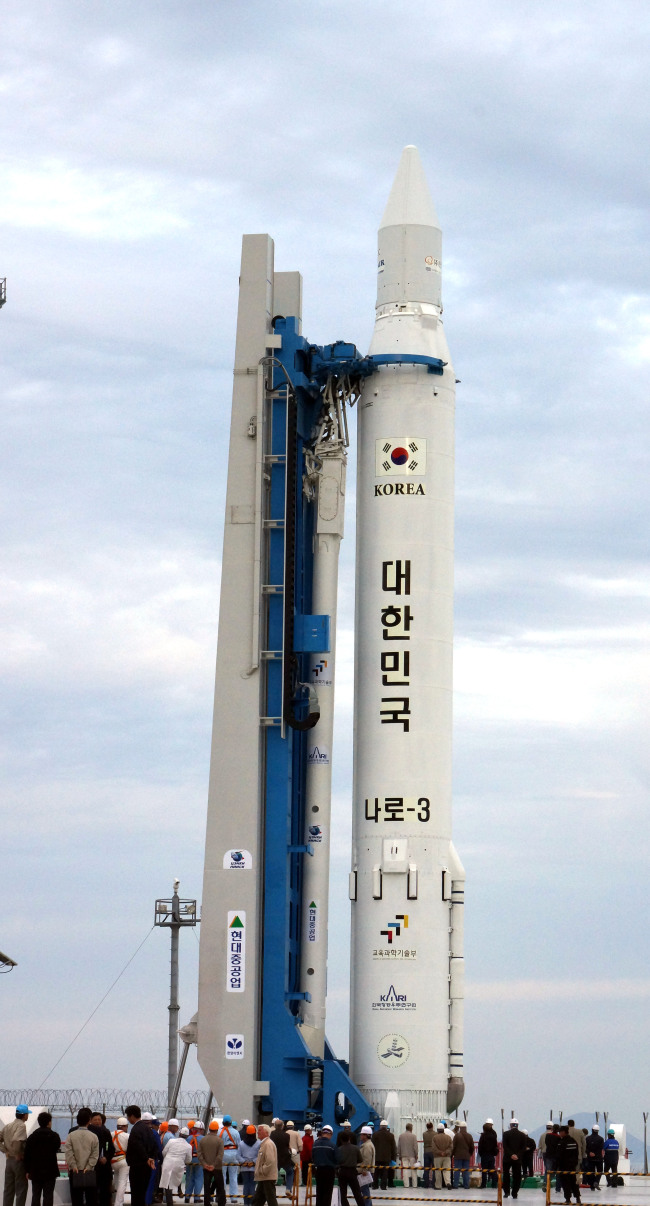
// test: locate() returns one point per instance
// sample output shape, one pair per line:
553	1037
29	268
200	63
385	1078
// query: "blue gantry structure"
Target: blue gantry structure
302	1086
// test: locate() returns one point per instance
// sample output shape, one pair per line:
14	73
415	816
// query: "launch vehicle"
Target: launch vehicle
262	982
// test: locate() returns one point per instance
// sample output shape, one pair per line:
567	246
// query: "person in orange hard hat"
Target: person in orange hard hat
249	1146
210	1151
194	1174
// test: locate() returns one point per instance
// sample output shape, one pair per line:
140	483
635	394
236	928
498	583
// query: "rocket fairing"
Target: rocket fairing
407	882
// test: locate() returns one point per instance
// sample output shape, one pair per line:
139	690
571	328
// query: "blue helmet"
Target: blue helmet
227	1120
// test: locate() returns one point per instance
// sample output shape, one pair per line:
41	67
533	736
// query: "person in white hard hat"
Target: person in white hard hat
488	1150
462	1150
595	1152
442	1144
368	1157
295	1145
305	1155
527	1161
119	1165
324	1162
514	1146
345	1126
173	1127
177	1155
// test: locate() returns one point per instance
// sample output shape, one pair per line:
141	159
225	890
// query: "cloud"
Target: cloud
512	991
140	142
110	206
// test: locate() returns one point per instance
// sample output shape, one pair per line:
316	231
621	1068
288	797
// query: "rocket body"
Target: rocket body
407	881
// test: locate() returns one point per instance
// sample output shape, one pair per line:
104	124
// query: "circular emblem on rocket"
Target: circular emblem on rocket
399	456
393	1051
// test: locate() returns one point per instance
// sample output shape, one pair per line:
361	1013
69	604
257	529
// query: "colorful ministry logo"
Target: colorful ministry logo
394	928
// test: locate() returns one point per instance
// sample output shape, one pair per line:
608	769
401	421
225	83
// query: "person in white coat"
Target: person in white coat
177	1154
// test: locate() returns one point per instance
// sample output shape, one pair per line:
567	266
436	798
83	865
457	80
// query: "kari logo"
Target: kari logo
237	860
236	952
393	1051
392	1001
234	1046
319	669
401	456
395	927
312	922
318	755
315	834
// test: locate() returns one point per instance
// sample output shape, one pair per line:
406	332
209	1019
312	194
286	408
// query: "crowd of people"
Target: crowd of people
154	1158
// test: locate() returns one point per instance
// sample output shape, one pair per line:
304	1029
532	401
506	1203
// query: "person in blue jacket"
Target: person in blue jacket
611	1158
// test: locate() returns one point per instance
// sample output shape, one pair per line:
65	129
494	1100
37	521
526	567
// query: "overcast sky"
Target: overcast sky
139	142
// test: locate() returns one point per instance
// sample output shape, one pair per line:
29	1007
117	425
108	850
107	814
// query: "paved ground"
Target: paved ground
636	1192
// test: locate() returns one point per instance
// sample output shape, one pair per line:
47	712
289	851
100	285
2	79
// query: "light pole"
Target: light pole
173	914
645	1141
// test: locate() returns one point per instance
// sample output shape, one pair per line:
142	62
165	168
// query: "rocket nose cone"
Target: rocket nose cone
410	203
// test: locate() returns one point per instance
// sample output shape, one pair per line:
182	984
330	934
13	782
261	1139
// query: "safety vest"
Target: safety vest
120	1152
231	1146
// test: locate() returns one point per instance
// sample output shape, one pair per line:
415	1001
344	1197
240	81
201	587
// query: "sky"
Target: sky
139	142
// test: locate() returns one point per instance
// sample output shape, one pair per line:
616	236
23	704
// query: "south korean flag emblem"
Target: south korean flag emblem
400	456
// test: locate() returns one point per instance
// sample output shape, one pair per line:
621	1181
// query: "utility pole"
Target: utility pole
645	1141
174	914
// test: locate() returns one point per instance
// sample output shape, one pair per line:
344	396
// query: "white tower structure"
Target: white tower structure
407	882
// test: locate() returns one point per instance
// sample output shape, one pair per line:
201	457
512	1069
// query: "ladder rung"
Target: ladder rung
272	588
273	523
271	655
271	722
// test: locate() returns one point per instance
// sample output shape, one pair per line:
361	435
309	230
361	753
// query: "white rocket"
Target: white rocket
407	881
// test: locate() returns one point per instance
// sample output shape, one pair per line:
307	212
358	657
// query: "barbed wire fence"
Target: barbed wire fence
112	1102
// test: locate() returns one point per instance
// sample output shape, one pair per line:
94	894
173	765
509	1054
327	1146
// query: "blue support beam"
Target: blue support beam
302	1086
